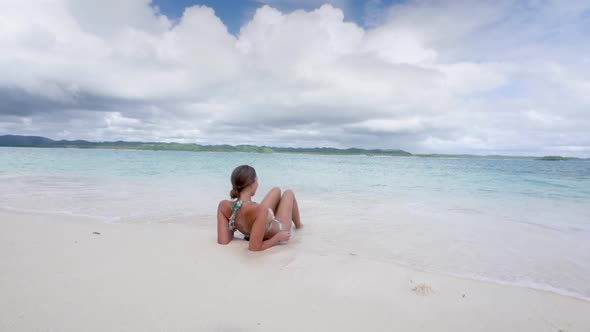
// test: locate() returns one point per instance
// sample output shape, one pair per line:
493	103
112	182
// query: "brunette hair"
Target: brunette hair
241	177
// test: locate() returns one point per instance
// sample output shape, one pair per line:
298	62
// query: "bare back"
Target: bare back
246	216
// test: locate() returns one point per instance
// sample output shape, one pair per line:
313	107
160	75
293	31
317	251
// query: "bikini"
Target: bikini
236	209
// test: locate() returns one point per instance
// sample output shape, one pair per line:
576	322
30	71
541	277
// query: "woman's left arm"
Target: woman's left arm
257	241
224	234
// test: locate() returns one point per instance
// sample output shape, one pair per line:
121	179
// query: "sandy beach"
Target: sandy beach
436	152
72	274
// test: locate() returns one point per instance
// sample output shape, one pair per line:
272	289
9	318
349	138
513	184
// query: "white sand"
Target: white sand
56	275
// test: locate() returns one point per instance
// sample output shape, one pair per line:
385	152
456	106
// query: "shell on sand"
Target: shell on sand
423	289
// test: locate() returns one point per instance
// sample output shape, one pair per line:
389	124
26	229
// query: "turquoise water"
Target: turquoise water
518	222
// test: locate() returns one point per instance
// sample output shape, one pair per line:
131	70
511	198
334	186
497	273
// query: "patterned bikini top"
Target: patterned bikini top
235	210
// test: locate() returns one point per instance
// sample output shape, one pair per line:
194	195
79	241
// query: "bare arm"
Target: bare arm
257	242
224	234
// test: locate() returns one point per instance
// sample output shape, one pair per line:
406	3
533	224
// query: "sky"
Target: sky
456	76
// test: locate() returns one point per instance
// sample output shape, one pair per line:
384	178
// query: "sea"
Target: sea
509	221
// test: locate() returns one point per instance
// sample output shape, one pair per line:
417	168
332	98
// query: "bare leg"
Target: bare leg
288	210
271	200
296	217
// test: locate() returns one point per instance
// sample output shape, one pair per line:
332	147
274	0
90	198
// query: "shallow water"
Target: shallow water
518	222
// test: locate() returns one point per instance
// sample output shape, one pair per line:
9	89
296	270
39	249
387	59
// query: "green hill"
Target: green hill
42	142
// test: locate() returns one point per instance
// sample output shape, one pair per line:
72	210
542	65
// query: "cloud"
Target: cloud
479	77
305	3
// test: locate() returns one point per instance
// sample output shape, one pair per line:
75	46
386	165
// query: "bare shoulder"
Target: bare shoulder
226	202
225	206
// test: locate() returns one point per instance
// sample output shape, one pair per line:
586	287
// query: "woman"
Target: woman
257	221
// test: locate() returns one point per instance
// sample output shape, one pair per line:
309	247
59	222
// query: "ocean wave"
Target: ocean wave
580	295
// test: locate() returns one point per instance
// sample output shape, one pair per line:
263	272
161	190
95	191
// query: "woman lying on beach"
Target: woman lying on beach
256	221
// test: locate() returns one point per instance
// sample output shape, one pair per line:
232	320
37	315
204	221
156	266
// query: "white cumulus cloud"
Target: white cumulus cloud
508	77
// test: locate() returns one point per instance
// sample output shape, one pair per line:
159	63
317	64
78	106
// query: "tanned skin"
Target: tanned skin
254	218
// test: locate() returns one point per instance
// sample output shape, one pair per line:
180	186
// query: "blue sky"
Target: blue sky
234	13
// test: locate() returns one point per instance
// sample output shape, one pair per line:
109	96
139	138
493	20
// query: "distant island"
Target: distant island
43	142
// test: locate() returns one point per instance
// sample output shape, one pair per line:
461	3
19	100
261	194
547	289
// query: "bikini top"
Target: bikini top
235	210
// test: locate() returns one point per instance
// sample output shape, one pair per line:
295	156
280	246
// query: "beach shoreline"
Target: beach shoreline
70	273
